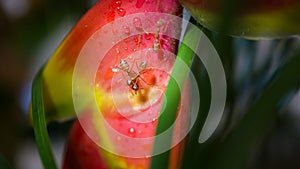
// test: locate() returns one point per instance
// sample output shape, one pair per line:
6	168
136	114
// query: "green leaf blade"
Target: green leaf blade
178	78
39	124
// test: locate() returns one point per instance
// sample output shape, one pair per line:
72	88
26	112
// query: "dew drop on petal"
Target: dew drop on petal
121	11
117	51
137	22
126	30
116	3
148	36
131	132
114	69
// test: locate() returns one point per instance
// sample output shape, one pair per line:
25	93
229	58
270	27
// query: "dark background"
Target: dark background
30	30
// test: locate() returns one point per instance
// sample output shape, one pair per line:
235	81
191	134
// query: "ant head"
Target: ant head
135	86
122	61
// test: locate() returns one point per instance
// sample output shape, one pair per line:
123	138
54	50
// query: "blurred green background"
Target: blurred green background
30	31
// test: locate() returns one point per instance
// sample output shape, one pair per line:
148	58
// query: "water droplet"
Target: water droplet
117	50
136	39
97	85
131	132
126	30
116	3
121	11
137	22
114	69
85	26
153	119
139	3
148	36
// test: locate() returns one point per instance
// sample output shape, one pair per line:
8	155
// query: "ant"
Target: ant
157	44
133	75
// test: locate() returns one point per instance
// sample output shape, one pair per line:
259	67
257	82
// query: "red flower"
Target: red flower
129	84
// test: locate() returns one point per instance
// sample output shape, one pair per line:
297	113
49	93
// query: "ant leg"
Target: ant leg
140	85
166	27
117	57
145	81
123	77
152	85
133	63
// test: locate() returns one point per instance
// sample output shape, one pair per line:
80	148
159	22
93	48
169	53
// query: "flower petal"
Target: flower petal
59	70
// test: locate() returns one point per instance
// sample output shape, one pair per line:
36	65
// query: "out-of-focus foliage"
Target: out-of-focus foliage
25	26
254	19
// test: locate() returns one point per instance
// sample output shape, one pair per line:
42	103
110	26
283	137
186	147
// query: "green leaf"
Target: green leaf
39	124
251	19
172	96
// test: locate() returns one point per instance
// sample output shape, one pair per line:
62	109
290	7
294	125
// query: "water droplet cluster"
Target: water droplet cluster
116	9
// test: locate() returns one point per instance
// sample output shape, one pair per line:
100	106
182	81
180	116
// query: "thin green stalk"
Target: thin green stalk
173	92
39	124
